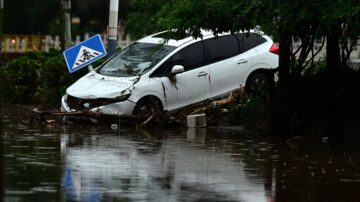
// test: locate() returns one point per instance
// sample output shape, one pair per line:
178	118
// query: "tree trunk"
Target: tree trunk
279	121
284	63
333	50
66	6
1	21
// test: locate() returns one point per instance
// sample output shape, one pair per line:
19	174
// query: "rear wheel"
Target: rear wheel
148	110
258	88
258	84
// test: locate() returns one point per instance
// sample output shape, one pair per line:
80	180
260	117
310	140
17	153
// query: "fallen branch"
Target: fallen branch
146	121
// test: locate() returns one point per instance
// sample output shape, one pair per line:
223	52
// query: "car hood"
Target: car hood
93	86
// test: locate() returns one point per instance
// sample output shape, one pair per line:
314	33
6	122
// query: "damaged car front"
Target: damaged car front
99	94
108	90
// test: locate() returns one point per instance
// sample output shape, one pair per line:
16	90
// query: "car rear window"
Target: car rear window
250	40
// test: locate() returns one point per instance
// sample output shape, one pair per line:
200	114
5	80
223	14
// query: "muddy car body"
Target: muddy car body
157	74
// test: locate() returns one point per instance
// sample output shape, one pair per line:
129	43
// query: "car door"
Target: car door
226	65
191	85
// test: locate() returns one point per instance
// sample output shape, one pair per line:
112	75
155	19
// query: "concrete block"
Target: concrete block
196	120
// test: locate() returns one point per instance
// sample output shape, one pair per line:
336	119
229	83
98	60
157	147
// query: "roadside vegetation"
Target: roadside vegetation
37	78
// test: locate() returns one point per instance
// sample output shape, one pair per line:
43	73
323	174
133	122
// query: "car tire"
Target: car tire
258	82
148	111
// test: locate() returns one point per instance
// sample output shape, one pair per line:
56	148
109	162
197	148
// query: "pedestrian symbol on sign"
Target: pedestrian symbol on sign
85	54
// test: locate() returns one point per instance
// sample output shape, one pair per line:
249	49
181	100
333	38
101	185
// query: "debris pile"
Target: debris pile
212	108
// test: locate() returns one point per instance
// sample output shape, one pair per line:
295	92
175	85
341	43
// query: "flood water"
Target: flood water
85	162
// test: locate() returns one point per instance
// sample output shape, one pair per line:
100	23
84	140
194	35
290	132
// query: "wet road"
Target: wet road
96	163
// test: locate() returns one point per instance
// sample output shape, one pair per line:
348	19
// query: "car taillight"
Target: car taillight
274	49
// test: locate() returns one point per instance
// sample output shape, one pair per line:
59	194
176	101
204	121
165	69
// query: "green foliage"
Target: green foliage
140	20
37	78
215	15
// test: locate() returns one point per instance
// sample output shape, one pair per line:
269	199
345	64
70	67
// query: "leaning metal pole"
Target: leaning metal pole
113	26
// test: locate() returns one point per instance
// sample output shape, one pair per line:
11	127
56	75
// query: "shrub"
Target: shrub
37	78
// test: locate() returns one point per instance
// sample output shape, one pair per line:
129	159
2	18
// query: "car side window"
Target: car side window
221	48
164	69
249	40
190	57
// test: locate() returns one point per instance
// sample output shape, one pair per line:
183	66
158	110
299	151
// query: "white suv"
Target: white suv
154	73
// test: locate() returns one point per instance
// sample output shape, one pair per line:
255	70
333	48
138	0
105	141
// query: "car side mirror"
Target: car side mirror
177	69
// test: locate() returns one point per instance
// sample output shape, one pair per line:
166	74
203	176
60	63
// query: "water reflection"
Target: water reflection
1	162
155	166
96	163
31	158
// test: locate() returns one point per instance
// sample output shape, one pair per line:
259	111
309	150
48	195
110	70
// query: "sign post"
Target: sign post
84	53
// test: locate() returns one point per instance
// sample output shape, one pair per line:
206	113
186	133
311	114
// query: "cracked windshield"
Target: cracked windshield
135	60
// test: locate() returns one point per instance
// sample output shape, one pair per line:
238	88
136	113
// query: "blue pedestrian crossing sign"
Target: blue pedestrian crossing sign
84	53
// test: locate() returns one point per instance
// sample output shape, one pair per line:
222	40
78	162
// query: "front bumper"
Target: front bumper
124	108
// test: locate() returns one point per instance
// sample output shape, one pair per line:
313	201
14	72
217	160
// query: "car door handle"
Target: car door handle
241	61
200	74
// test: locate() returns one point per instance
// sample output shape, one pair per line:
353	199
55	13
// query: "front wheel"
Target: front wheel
148	111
